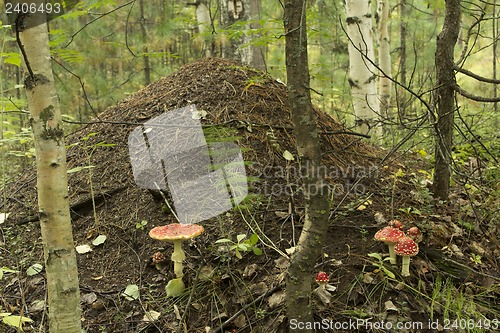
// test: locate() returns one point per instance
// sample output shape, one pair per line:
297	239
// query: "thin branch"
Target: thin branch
92	21
476	98
475	76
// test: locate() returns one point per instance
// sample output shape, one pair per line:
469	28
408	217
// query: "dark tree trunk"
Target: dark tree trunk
445	98
308	250
144	33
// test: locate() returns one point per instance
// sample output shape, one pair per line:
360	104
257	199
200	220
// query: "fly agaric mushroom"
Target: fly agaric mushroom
322	292
415	234
322	279
390	236
176	233
406	248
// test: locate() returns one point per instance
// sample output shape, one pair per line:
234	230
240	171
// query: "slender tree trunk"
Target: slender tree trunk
144	34
384	56
204	21
308	250
59	251
445	96
495	57
362	76
258	51
233	11
402	59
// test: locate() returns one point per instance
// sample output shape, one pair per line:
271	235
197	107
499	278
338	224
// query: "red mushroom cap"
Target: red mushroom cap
406	247
415	234
322	277
176	231
396	224
389	235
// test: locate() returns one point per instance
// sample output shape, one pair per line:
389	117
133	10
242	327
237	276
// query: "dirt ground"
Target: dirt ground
228	294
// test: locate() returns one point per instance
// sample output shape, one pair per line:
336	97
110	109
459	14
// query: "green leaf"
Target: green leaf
131	292
388	273
99	240
375	255
16	321
254	239
256	251
288	156
12	58
241	237
175	287
238	254
34	269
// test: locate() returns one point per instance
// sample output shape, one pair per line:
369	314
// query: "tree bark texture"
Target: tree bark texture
234	11
317	207
258	51
144	35
204	21
445	98
64	314
384	56
402	105
362	72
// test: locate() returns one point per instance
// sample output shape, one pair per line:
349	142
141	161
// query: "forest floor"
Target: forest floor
455	279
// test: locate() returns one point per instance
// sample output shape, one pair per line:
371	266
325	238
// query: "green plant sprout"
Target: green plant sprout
141	225
242	244
380	265
89	151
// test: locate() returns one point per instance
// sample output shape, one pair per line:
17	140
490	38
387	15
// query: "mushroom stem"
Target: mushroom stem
392	254
405	268
178	257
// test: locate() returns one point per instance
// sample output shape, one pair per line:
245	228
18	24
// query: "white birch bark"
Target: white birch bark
63	293
204	23
362	73
237	48
384	57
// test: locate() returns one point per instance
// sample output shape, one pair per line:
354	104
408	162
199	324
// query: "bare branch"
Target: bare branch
475	76
475	97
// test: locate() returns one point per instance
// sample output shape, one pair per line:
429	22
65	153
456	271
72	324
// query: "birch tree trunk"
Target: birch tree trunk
362	78
204	21
384	58
317	206
59	251
445	97
233	11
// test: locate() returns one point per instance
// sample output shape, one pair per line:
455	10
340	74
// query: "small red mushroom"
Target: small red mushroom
390	236
406	248
322	279
415	234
